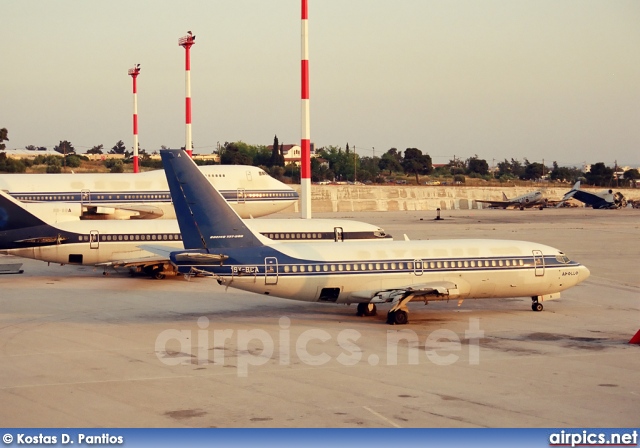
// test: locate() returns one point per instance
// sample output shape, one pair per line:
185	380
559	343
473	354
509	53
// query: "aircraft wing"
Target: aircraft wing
498	204
441	290
161	255
137	262
120	211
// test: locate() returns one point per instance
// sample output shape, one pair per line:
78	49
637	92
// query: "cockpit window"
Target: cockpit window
562	258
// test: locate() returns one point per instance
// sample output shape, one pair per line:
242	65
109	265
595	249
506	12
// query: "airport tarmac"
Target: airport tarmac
79	349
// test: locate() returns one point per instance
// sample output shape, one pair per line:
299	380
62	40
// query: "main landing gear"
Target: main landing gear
398	317
536	306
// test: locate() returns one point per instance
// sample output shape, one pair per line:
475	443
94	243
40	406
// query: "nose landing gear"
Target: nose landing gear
536	306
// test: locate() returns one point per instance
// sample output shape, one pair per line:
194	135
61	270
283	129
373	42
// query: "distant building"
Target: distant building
207	157
293	153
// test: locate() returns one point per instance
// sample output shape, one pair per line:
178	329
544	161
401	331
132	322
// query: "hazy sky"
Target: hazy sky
554	80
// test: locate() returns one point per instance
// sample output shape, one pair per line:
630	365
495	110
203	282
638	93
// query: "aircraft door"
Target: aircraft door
242	195
249	176
338	234
538	263
85	197
270	271
418	267
94	239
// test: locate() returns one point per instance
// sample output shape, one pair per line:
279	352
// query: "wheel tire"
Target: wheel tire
537	306
391	317
158	275
398	317
366	309
370	310
401	317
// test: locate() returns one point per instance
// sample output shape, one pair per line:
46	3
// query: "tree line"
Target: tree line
333	163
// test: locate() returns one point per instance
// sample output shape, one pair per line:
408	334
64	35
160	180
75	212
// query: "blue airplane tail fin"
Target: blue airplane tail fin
13	215
205	218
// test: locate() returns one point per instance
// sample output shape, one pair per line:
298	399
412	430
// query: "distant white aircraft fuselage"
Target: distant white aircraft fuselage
531	199
248	189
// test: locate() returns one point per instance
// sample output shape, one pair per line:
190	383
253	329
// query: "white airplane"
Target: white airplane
54	233
602	200
532	199
250	191
218	243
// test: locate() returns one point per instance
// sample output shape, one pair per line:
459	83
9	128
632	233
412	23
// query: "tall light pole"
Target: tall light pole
186	42
134	72
305	141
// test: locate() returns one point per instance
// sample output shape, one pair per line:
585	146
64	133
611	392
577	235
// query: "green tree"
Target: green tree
119	148
236	153
64	147
9	165
510	170
277	159
115	166
277	172
73	161
459	178
564	174
416	163
477	166
533	171
340	163
96	150
54	164
3	138
600	175
633	173
391	161
369	169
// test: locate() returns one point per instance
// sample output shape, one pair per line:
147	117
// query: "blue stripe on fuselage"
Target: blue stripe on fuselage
149	196
286	264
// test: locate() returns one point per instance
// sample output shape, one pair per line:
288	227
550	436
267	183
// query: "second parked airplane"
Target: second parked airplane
53	232
250	191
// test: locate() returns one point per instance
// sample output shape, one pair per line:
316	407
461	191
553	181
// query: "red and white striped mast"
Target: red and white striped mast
186	42
305	142
134	72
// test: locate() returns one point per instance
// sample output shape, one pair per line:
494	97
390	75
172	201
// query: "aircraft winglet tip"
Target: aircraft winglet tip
635	339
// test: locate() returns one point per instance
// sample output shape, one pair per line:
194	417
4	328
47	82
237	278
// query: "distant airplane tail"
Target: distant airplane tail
13	214
572	192
216	226
504	197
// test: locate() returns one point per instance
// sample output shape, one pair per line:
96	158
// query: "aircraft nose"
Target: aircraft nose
583	274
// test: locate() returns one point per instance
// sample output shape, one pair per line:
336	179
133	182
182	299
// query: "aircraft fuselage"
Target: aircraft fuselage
477	268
